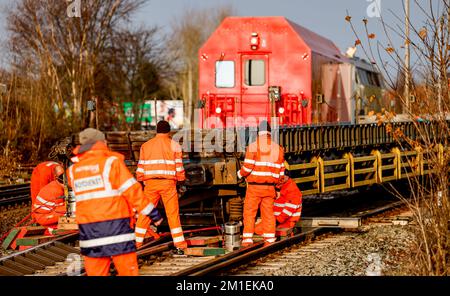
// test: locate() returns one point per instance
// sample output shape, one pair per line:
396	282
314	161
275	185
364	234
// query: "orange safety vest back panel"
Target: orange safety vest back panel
264	161
106	195
160	158
42	175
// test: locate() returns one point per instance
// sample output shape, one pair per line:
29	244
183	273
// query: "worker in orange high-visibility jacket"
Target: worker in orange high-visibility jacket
49	204
263	166
287	208
43	174
160	166
107	195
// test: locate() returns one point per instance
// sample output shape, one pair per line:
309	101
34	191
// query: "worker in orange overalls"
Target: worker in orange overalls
106	197
287	208
43	174
263	166
161	168
49	204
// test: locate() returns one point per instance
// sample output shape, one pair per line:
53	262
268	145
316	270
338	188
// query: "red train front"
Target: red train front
269	67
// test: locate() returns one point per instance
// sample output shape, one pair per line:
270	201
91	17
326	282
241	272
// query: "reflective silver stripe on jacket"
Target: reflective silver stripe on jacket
265	174
127	184
269	164
97	242
157	161
160	172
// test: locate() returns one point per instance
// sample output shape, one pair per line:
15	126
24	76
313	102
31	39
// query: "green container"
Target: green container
145	112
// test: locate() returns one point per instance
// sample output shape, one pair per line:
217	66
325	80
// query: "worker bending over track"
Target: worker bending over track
287	208
263	166
49	204
161	168
42	174
106	197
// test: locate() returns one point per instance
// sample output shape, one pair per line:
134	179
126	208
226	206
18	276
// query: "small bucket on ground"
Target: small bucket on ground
232	235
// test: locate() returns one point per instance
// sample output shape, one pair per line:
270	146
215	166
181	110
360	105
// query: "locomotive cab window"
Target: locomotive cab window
224	74
255	72
363	77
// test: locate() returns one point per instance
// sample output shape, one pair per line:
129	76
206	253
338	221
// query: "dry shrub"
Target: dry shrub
429	83
8	168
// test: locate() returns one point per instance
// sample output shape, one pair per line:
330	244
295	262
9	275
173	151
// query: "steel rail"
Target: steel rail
11	189
14	200
14	194
66	238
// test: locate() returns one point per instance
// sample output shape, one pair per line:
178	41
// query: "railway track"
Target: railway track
51	258
14	194
164	264
61	256
276	262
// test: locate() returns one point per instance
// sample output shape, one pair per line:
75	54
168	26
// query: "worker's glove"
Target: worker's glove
240	179
181	188
157	223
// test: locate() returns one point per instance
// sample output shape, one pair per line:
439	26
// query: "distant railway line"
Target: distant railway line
11	195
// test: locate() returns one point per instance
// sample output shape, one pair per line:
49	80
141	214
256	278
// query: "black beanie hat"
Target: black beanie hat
264	126
163	127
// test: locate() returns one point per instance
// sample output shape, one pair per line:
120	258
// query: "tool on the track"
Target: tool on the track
232	235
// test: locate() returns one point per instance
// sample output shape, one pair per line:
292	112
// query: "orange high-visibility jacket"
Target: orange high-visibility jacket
106	195
264	161
288	207
160	158
49	204
42	175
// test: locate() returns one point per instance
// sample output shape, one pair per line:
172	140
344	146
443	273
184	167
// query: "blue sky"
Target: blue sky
326	17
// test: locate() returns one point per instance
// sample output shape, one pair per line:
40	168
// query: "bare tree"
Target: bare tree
429	170
57	63
189	32
65	51
137	60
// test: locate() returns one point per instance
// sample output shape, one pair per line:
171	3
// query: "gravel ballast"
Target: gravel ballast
378	249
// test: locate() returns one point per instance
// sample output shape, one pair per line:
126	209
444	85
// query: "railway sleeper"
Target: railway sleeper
19	267
35	265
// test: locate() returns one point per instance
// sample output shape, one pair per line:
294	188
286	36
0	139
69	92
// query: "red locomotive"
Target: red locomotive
267	67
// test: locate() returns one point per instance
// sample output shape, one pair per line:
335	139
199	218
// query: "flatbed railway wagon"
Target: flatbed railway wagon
318	101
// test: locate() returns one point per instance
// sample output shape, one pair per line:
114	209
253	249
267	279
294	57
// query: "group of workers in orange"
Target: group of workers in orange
109	199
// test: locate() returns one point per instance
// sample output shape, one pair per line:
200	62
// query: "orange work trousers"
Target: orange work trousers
259	197
126	265
157	189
